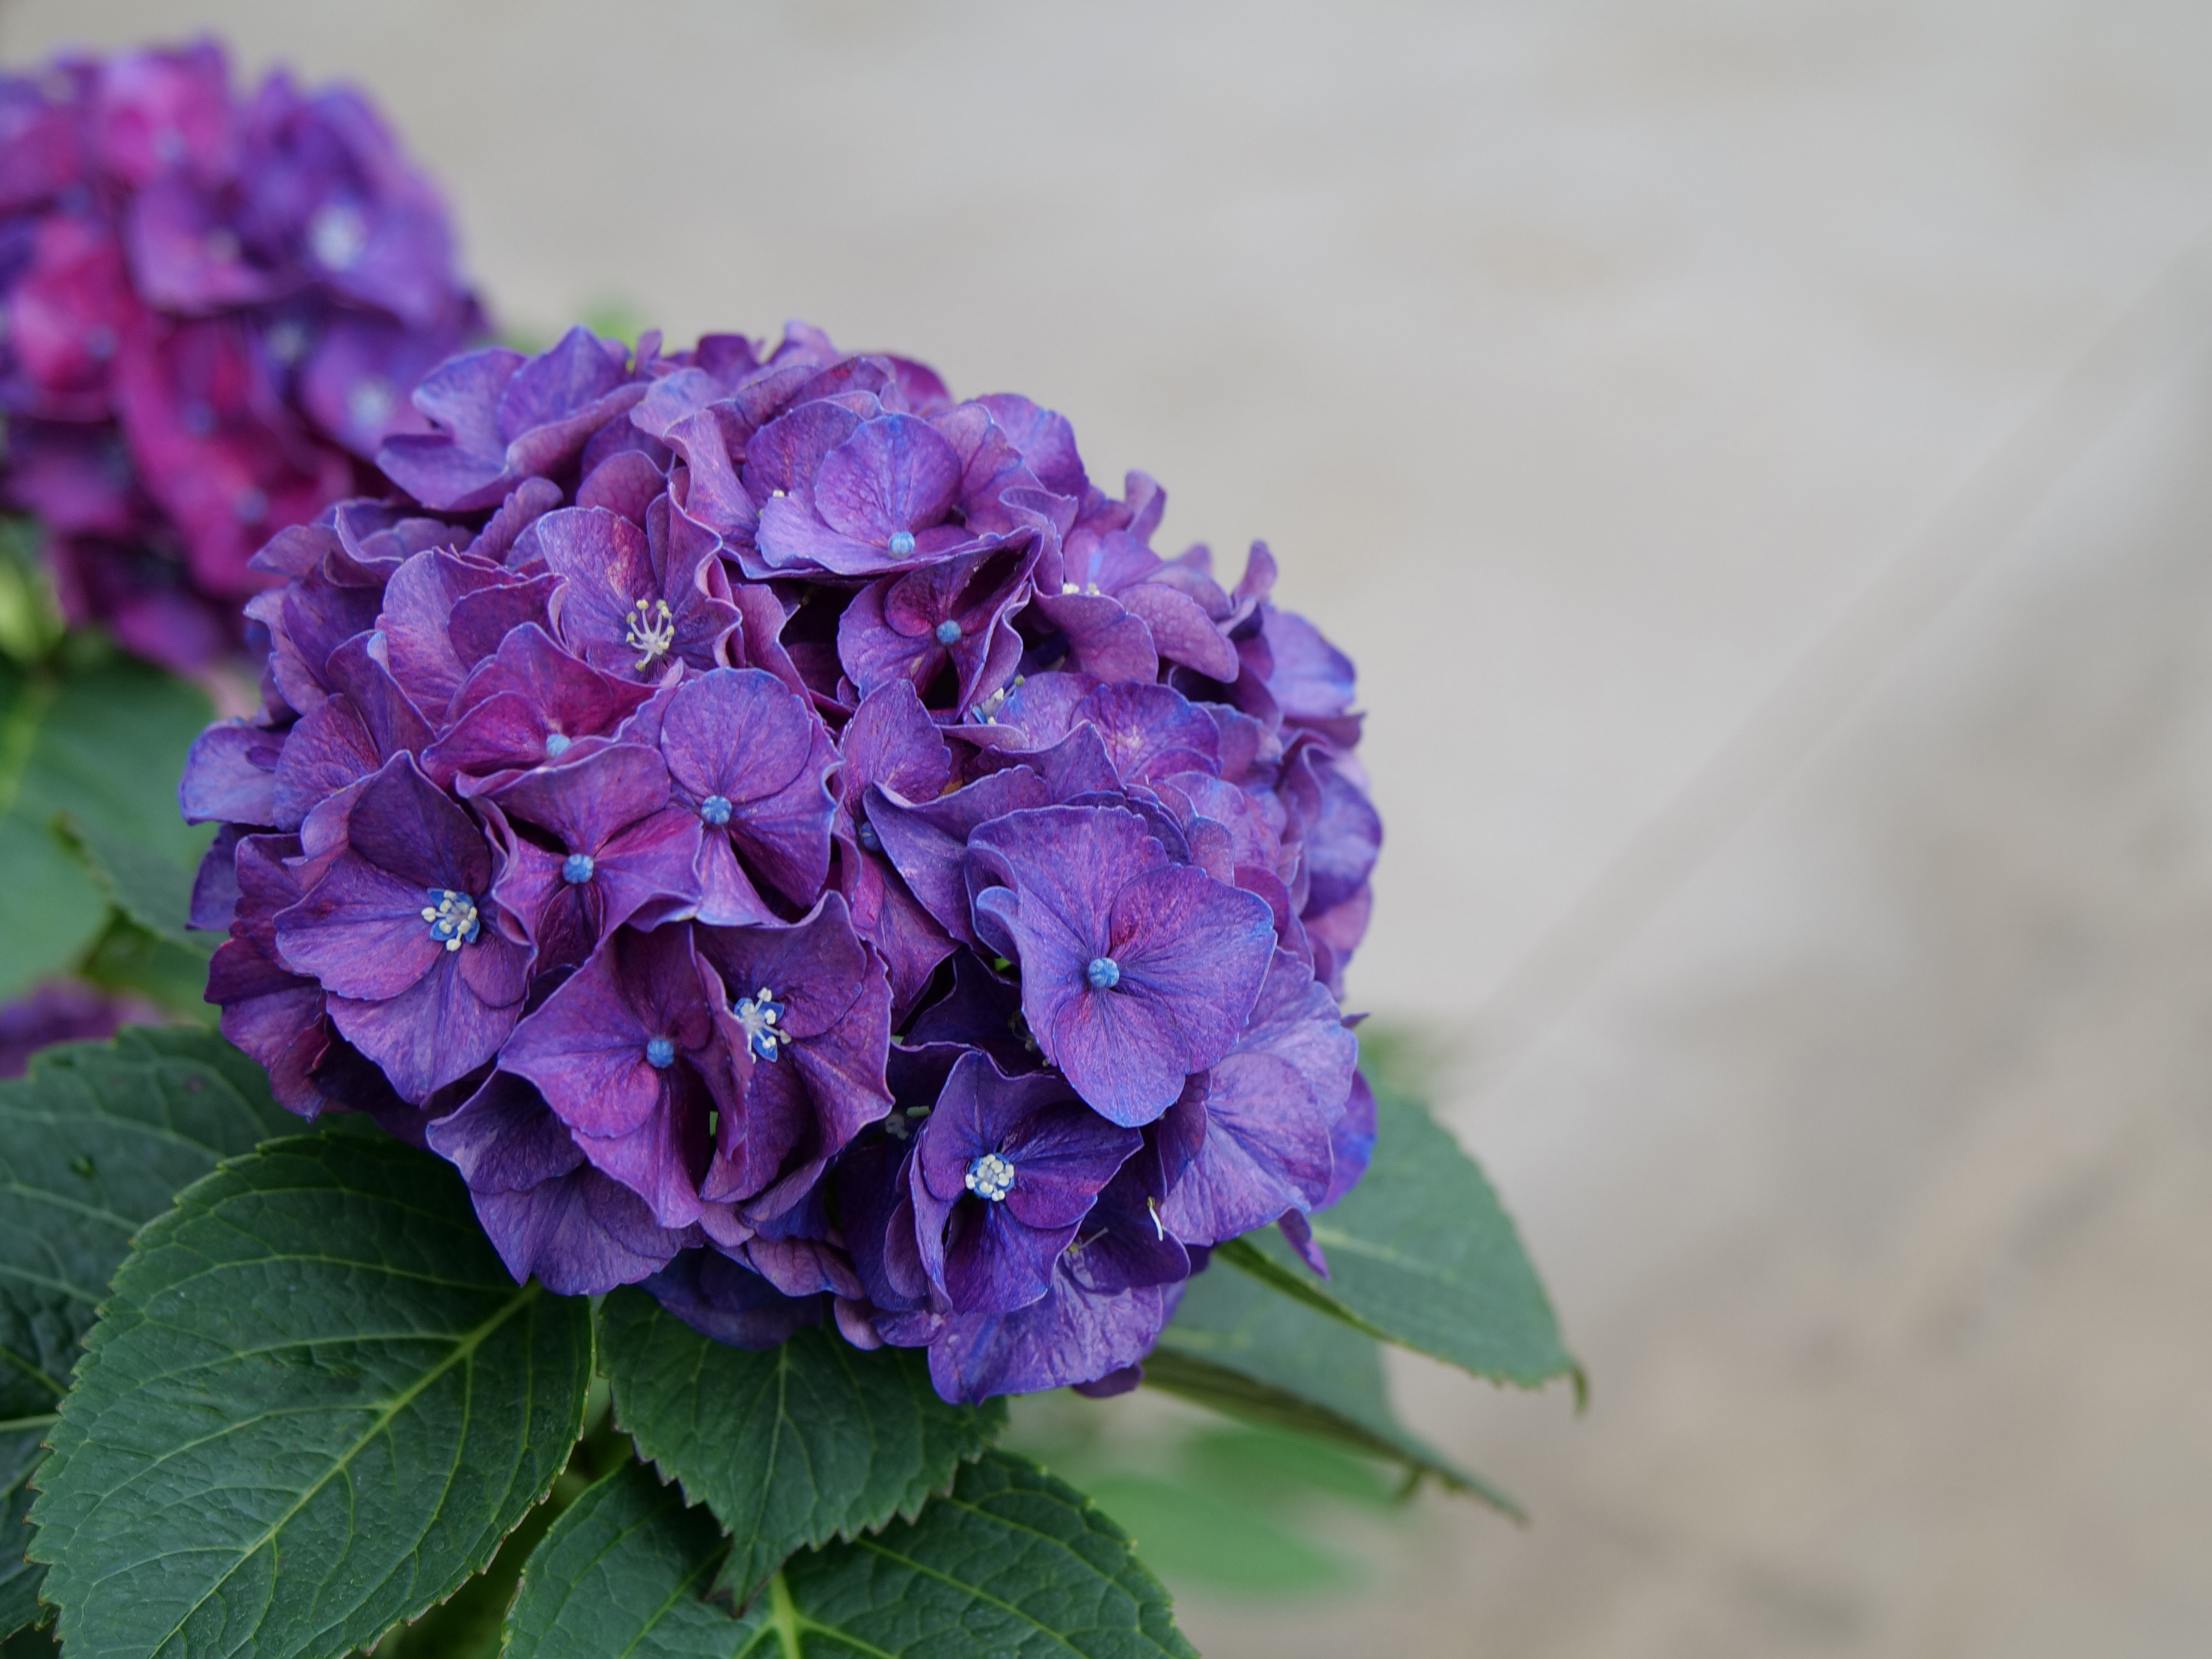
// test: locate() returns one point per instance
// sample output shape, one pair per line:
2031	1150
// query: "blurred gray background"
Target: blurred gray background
1756	453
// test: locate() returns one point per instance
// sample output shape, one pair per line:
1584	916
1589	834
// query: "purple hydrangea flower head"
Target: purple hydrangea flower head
782	832
218	308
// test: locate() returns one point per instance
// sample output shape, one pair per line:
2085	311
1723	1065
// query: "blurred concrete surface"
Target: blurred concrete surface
1588	364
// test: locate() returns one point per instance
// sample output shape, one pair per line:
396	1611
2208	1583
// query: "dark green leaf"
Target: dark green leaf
171	973
19	1579
625	1570
1013	1564
94	1143
97	750
313	1405
1421	1253
1271	1361
152	889
791	1446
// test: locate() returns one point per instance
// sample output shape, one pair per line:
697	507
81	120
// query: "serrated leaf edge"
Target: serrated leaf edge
96	1339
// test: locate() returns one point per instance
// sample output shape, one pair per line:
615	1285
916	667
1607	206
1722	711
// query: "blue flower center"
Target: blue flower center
991	1177
661	1054
452	917
901	542
338	234
948	632
715	809
556	745
576	868
758	1016
867	835
1104	973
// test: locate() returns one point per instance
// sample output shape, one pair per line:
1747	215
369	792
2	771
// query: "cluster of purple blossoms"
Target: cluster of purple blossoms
214	311
787	837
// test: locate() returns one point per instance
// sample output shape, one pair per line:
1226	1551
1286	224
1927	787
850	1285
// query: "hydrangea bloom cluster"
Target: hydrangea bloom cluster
214	309
788	839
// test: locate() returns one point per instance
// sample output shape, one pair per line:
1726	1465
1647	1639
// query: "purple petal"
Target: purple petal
928	843
741	735
434	1032
579	1233
894	474
1073	1335
586	1046
730	1303
504	1138
1352	1142
360	931
1181	630
230	775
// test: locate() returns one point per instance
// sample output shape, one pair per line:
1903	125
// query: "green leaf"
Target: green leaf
313	1405
97	750
1271	1361
150	889
1422	1253
790	1447
94	1143
626	1570
1218	1543
169	972
1013	1564
19	1451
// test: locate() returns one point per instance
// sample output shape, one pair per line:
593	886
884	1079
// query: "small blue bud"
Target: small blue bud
902	543
715	809
948	632
1104	973
867	835
577	869
661	1054
556	745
